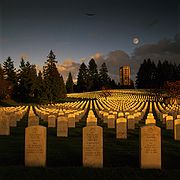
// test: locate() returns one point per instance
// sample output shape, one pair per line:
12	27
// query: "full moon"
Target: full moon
135	40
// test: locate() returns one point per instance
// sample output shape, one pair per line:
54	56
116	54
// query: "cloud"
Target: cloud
24	55
113	60
69	65
165	49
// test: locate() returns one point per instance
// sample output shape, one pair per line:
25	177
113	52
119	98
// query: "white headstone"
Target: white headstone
35	146
93	146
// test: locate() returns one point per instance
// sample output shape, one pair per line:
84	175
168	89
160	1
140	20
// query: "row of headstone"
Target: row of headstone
9	118
150	146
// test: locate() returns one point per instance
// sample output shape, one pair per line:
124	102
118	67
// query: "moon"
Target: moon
136	40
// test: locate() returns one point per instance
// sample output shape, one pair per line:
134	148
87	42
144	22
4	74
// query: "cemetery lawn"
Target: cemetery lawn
64	156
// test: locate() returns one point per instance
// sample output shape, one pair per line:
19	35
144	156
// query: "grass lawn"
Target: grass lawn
64	156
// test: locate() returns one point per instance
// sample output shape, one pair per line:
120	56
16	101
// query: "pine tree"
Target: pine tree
93	81
10	77
27	78
69	83
1	72
54	83
82	80
147	75
9	70
104	77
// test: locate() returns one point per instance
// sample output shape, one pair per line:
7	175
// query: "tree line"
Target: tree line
155	76
28	85
90	79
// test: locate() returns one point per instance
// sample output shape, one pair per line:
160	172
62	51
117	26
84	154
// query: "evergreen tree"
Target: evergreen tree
69	83
93	81
9	70
54	83
82	80
39	88
147	75
27	77
1	72
155	77
104	77
10	77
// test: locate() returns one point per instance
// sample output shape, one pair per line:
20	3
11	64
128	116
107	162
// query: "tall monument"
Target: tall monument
125	79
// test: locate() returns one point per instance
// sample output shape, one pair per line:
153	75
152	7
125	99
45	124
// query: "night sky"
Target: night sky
31	28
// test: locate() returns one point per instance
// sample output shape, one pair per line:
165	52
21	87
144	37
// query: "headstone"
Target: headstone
150	147
111	121
150	121
12	120
131	122
62	126
71	120
169	122
52	121
120	114
93	146
35	146
33	120
105	117
164	118
4	125
121	128
91	121
177	129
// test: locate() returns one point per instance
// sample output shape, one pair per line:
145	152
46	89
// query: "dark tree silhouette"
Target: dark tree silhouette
82	80
54	83
27	77
69	84
104	77
93	81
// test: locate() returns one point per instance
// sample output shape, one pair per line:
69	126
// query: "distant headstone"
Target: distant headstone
93	146
111	121
35	146
150	121
131	122
71	120
177	129
164	118
12	120
121	128
62	126
91	121
33	120
120	114
52	121
169	122
4	125
150	147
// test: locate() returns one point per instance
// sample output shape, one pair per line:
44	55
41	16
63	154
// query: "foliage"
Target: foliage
26	85
53	81
69	84
104	77
27	76
151	76
82	80
93	81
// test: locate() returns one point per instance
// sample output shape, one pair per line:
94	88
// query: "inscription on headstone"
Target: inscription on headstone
150	147
93	146
35	146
